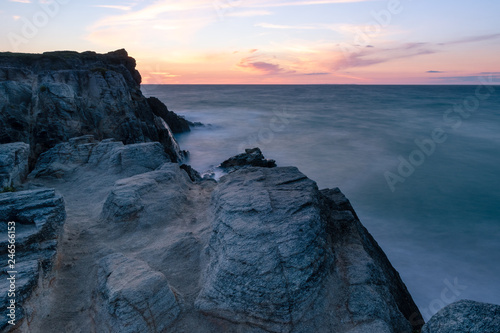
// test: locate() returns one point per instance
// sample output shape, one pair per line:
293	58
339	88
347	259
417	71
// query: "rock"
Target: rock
465	316
108	156
38	217
176	123
13	164
132	297
49	98
125	200
251	157
285	257
192	173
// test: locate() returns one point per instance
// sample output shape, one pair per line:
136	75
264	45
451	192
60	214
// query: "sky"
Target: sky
271	42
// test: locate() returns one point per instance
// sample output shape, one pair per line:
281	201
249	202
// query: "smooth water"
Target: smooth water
440	227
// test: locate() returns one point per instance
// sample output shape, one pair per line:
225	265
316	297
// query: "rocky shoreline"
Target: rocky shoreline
114	234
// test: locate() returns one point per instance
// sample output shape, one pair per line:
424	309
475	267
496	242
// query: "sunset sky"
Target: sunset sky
280	41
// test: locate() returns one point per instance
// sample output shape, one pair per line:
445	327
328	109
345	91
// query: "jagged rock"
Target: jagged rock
46	99
13	164
192	173
132	297
107	155
251	157
176	123
465	316
39	215
284	258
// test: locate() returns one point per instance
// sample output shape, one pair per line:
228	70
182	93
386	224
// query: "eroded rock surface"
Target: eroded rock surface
38	216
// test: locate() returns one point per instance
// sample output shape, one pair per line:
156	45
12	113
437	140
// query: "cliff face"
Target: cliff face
49	98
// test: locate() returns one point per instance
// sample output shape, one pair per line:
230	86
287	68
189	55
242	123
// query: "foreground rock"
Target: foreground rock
38	216
133	297
13	164
286	257
46	99
465	317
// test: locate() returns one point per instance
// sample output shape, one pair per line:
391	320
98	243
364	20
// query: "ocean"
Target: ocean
420	165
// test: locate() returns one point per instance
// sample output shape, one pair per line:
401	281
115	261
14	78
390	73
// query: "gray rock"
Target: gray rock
13	164
39	215
125	200
251	157
132	297
108	155
285	257
49	98
176	123
465	316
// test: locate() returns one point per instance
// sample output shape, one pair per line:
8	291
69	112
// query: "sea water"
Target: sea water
420	165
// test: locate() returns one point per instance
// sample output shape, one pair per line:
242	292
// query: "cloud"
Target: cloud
372	56
248	13
435	72
21	1
124	8
495	79
325	73
473	39
265	4
262	67
276	26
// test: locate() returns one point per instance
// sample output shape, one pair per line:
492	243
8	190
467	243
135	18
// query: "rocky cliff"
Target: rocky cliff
49	98
113	235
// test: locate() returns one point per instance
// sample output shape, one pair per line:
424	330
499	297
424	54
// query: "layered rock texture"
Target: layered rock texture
49	98
141	243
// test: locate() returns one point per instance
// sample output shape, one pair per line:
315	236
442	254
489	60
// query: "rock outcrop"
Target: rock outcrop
251	157
465	316
38	216
49	98
13	164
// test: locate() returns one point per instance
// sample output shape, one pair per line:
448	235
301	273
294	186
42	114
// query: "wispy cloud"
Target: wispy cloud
473	39
248	13
21	1
124	8
262	67
264	4
435	72
277	26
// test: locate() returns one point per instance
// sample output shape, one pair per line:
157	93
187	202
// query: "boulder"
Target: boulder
38	216
13	164
465	316
251	157
132	297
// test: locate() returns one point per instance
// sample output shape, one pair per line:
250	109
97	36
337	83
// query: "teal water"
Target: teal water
437	217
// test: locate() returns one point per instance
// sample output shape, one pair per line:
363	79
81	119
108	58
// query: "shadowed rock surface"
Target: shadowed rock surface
251	157
13	164
49	98
465	316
